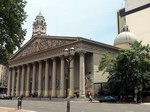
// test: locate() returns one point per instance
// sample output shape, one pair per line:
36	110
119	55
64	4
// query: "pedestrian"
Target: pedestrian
90	96
19	106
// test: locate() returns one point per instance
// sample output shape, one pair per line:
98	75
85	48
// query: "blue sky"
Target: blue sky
92	19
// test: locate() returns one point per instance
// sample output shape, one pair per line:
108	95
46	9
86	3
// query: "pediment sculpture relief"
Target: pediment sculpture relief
42	44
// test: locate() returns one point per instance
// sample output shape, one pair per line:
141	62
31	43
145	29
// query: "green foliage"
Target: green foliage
129	69
12	16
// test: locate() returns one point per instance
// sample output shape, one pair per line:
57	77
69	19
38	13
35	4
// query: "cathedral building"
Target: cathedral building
41	67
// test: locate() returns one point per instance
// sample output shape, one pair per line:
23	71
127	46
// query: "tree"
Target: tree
12	16
129	69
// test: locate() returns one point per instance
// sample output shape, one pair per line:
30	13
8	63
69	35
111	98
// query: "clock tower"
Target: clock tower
39	26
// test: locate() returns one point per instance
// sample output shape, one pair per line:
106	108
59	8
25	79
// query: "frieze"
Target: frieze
42	44
43	55
96	48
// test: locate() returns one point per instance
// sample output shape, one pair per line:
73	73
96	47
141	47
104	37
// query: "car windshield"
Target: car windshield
109	97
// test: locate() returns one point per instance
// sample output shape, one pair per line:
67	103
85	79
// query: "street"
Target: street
76	106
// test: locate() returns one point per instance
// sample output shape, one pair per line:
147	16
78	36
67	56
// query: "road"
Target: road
76	106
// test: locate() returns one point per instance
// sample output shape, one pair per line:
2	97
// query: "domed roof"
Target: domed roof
125	37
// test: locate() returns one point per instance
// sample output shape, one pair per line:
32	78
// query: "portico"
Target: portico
47	76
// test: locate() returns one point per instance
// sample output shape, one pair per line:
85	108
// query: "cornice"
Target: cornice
79	45
97	48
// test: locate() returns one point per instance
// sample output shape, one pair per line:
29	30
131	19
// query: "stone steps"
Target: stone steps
52	99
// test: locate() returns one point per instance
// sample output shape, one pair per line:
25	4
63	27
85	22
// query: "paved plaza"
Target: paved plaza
76	106
6	109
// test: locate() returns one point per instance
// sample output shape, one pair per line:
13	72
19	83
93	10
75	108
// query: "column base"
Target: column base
13	95
27	94
82	96
61	97
53	95
46	94
21	93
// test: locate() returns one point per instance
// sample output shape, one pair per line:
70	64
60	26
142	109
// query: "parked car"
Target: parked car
4	96
107	99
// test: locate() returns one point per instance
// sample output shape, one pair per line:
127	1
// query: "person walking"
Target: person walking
90	96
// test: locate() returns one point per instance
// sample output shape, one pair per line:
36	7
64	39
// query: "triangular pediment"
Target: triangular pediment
42	43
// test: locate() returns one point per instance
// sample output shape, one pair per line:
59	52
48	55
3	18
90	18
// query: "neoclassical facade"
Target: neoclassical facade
40	66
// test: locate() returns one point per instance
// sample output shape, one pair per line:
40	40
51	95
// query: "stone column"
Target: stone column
62	77
28	80
72	78
18	81
22	80
13	82
54	78
40	79
46	78
33	78
82	75
9	82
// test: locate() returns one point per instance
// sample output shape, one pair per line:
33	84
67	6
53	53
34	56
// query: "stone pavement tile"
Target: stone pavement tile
4	109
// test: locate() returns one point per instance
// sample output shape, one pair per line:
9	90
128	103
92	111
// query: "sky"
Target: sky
91	19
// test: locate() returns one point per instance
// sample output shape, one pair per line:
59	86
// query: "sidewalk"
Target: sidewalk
4	109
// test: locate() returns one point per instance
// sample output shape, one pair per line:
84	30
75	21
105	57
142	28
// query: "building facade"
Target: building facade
40	66
136	15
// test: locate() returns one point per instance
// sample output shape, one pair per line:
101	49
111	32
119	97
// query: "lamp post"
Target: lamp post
68	55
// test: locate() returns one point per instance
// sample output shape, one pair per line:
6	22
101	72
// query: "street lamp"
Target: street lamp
68	55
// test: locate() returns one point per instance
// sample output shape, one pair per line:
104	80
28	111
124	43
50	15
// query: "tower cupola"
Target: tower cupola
39	25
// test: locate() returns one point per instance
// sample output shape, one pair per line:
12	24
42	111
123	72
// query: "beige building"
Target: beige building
136	15
40	66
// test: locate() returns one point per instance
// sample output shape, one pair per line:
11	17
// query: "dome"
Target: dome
125	38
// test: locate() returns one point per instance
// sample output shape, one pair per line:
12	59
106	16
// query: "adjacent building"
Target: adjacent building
3	79
3	76
40	66
136	15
